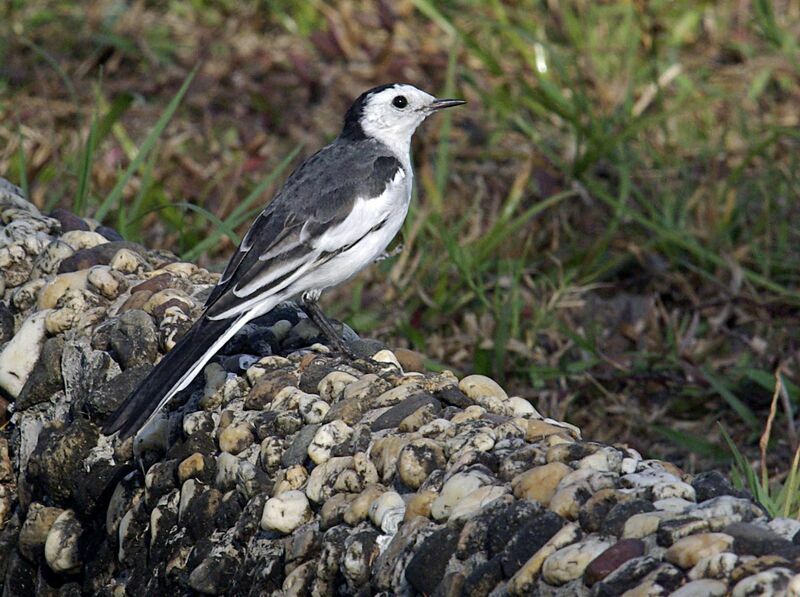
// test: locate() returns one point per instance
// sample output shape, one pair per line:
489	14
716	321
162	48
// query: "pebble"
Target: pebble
701	588
788	528
475	501
18	357
718	565
420	504
61	549
540	483
454	490
286	511
331	387
128	262
674	490
326	439
611	559
769	582
387	511
480	386
523	580
320	483
643	524
570	562
688	551
83	239
523	408
108	282
418	459
35	528
235	438
387	356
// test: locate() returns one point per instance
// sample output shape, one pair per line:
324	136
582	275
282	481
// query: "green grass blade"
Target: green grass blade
115	196
22	166
443	150
85	168
222	226
747	473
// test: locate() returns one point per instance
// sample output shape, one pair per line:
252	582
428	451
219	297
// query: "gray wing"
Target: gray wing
319	194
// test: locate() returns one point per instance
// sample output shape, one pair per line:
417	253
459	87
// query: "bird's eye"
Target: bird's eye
400	101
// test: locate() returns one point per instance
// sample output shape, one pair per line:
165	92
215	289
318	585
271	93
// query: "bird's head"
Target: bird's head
391	113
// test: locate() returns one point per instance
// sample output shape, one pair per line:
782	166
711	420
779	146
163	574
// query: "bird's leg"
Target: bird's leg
314	312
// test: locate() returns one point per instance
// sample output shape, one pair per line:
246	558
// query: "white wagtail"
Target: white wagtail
335	215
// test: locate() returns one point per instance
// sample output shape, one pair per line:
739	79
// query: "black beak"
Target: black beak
440	104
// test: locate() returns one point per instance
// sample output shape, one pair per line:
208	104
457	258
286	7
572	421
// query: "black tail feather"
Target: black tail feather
132	414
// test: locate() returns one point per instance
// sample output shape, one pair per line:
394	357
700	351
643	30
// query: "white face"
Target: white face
392	115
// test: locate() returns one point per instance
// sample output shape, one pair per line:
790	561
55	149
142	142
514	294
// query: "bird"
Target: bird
335	214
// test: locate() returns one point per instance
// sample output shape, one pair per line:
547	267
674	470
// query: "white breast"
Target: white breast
362	247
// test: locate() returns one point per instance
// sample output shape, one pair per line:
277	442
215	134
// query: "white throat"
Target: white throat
396	137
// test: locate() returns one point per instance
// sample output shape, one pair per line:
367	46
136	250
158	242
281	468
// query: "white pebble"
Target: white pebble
285	512
327	437
389	503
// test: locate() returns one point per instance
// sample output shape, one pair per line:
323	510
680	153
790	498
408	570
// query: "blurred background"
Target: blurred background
609	227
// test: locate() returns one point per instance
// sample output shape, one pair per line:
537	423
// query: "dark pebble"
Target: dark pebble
625	577
252	339
298	449
266	386
98	255
528	540
483	579
155	284
237	363
508	523
45	379
454	397
162	479
214	574
108	233
200	515
197	442
714	484
134	340
285	311
426	569
6	323
68	220
595	511
749	539
262	571
392	417
108	395
20	577
619	514
55	469
611	559
230	509
313	373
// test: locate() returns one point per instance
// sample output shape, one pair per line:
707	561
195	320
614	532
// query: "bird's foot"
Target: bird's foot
389	254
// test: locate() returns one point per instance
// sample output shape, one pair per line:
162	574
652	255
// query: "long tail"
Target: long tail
174	372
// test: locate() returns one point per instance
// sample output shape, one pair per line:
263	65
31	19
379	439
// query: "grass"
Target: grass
779	497
607	227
